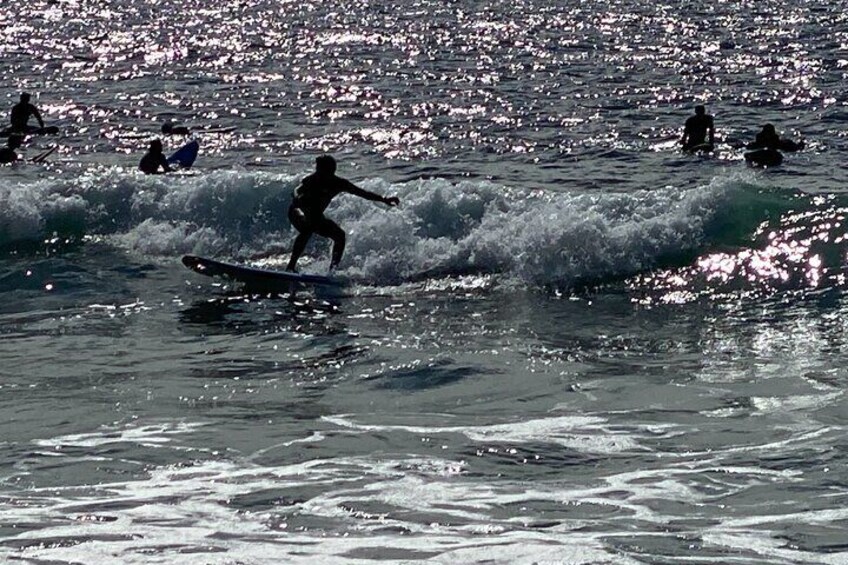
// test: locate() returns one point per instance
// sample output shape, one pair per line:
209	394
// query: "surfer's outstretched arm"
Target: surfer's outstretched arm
373	196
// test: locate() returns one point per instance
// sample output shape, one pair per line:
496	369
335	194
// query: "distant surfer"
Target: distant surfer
768	138
767	146
169	128
21	113
311	198
8	154
154	159
696	129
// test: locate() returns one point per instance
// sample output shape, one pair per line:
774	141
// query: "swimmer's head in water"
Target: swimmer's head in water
15	141
325	164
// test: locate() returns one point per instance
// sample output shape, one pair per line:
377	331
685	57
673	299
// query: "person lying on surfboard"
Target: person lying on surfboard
153	159
311	198
21	113
695	131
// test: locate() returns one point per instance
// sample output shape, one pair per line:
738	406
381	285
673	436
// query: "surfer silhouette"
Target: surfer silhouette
7	154
154	159
767	147
21	113
695	131
311	198
768	138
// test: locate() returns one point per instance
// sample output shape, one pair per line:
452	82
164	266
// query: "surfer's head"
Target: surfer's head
700	110
25	97
167	127
768	129
156	146
15	141
325	165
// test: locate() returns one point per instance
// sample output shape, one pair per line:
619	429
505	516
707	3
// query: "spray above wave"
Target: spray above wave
442	229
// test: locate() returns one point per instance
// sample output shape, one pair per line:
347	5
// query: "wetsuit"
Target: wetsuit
765	140
20	116
306	212
312	197
7	155
151	162
696	129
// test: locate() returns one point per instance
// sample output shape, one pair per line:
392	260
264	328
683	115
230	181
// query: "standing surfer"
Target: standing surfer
311	198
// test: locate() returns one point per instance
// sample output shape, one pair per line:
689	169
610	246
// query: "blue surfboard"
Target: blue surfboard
255	277
185	155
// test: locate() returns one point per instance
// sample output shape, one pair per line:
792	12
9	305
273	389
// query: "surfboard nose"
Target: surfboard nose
192	262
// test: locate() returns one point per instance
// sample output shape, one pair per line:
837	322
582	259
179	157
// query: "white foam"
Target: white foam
150	434
582	433
538	237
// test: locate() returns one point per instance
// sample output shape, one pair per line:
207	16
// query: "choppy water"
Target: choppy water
569	344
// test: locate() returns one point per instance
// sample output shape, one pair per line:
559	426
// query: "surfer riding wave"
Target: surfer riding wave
311	198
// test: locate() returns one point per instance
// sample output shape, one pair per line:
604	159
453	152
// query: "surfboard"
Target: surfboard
764	158
41	157
32	130
789	145
256	277
185	155
700	148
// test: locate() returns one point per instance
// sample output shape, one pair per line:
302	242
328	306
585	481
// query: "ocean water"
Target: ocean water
569	344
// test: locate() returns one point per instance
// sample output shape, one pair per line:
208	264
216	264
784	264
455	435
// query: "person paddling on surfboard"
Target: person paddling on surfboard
695	131
154	159
311	198
21	113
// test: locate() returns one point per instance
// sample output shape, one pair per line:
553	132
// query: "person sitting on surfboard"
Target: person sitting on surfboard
769	139
695	131
21	113
153	159
7	154
311	198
